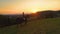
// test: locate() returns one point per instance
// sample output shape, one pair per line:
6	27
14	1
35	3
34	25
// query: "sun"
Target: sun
34	10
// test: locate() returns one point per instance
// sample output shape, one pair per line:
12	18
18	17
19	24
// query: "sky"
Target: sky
27	6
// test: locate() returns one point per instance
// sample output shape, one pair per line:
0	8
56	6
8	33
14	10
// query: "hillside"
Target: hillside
44	26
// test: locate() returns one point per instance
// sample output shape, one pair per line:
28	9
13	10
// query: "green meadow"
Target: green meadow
44	26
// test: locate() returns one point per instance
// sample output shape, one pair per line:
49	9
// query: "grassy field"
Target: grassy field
44	26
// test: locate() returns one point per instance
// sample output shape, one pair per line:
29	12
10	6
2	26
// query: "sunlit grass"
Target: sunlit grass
44	26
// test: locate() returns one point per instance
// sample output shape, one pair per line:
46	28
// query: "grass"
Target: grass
44	26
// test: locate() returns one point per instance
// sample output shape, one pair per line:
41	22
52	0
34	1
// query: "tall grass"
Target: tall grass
44	26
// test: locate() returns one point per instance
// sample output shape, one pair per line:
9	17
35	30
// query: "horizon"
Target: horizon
32	13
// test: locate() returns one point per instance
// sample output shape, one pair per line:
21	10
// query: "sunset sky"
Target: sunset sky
27	6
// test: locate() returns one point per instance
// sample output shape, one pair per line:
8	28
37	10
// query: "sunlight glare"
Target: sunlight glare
34	10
